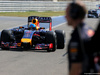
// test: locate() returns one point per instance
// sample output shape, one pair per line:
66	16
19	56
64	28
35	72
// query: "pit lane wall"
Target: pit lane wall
22	6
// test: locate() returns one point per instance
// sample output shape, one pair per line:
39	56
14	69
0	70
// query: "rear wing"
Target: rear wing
30	18
41	20
46	20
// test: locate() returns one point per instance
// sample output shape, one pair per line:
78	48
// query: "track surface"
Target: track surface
11	22
37	62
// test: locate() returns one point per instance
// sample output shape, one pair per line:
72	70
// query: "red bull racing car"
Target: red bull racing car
33	36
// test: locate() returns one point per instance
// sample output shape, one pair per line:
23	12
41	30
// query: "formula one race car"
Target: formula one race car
94	13
34	36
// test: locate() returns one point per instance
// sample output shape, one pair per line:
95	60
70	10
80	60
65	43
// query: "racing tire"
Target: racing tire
60	39
88	17
51	38
97	16
6	36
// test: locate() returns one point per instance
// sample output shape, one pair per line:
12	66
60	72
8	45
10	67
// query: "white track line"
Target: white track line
26	24
46	29
57	26
56	16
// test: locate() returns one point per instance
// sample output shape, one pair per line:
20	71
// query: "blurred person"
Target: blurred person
78	52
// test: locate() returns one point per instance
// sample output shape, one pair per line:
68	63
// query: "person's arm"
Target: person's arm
76	58
76	69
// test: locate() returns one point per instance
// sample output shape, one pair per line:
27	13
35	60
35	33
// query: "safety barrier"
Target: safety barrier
22	6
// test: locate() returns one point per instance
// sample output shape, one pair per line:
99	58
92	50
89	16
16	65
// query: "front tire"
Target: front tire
60	39
51	38
6	36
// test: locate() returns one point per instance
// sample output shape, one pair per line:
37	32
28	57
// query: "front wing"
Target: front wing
18	45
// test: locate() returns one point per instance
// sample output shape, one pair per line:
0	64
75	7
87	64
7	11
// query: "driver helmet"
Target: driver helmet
32	25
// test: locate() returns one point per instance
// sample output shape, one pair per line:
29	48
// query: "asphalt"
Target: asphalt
37	62
13	22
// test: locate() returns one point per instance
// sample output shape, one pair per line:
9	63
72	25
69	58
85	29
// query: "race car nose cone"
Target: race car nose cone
25	40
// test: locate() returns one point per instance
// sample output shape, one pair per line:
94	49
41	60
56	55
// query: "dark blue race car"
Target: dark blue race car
94	13
33	37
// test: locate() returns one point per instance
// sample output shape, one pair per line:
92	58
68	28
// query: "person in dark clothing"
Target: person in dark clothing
78	52
94	46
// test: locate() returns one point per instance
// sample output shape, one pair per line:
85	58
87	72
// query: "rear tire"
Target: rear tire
60	39
51	38
88	17
6	36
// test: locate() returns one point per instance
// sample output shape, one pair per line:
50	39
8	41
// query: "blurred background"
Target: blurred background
50	7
